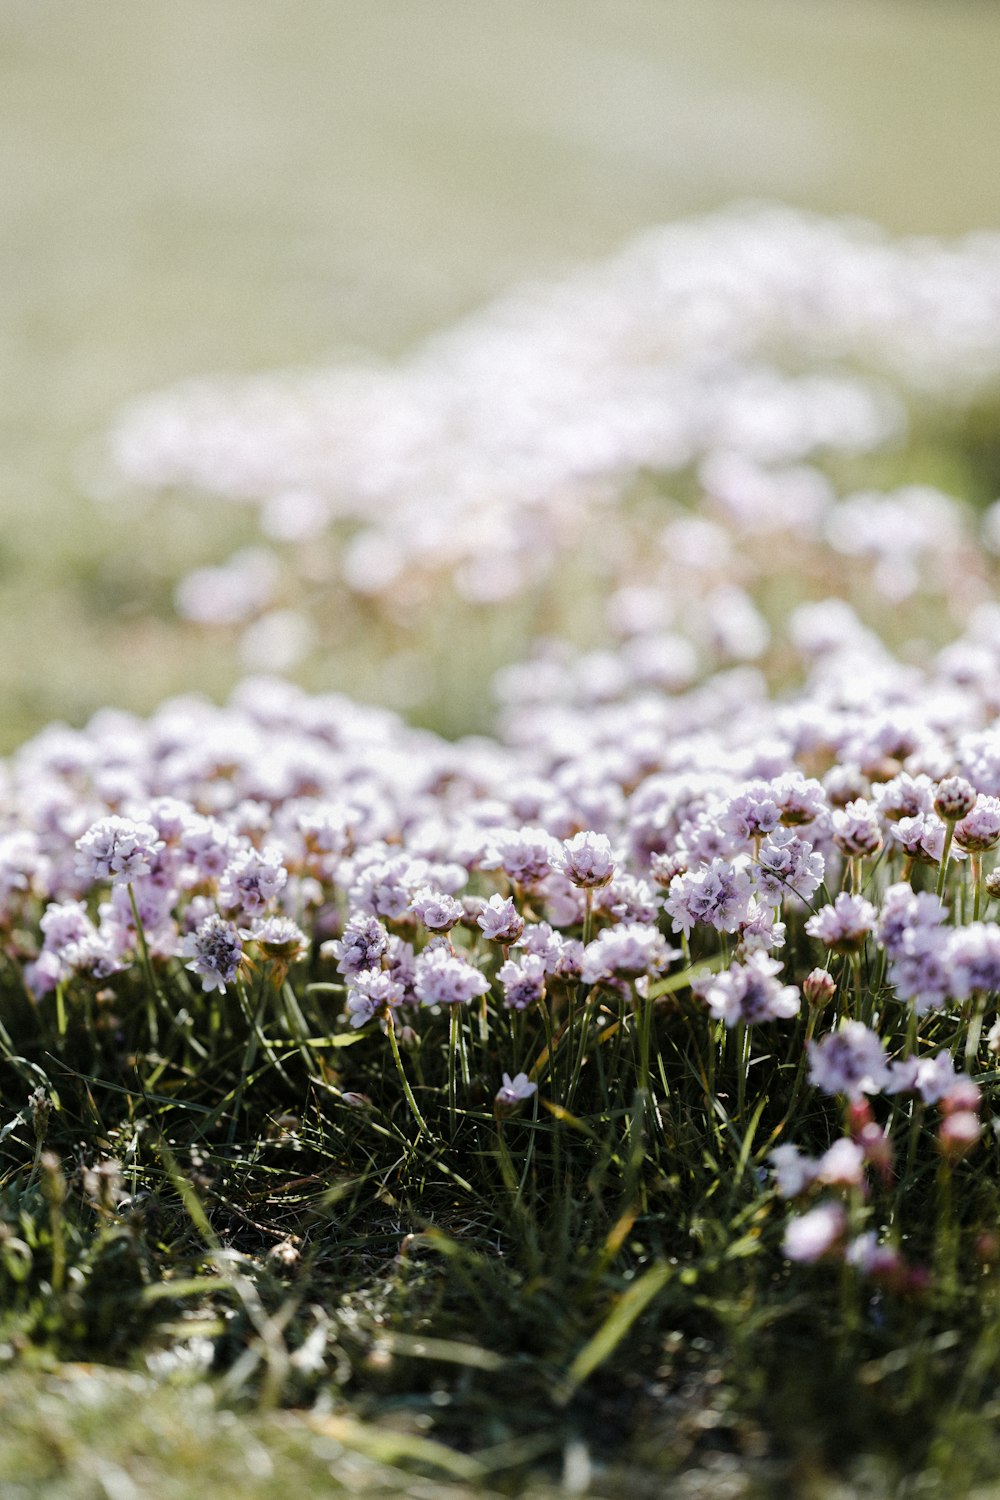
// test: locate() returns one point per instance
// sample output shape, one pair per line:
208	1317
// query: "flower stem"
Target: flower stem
390	1027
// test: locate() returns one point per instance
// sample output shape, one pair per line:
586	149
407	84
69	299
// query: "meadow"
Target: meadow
498	844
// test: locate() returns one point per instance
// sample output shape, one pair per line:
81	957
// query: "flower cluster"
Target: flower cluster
480	463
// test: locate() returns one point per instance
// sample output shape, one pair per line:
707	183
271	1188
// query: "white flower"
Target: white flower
515	1090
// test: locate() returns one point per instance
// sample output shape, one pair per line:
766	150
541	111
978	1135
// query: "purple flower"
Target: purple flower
523	981
437	911
751	814
500	920
626	952
278	937
251	880
905	911
981	828
719	895
370	993
514	1091
856	830
904	797
587	860
442	978
845	925
933	1078
974	958
921	837
787	866
816	1233
215	952
750	993
525	856
117	849
955	798
793	1170
850	1061
361	946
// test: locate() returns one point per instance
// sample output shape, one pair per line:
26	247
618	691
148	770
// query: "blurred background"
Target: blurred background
191	189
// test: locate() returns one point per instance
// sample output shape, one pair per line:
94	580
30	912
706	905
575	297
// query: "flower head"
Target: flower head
215	951
117	849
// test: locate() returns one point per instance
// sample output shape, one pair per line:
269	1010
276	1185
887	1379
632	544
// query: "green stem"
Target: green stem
452	1056
411	1101
154	998
949	834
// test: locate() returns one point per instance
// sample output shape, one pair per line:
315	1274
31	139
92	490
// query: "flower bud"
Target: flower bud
819	988
954	798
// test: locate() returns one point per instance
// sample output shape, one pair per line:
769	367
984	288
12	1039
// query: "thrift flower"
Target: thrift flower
849	1061
215	952
117	849
815	1234
514	1091
750	993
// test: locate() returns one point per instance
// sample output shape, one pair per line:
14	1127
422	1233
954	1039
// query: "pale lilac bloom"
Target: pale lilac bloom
564	901
703	839
921	837
117	849
523	981
921	968
904	797
629	899
361	946
587	859
625	952
750	993
930	1077
793	1170
500	920
384	889
370	993
719	895
954	799
880	1262
525	855
849	1061
904	910
215	952
207	846
845	925
800	799
752	813
279	937
787	866
72	945
251	880
761	932
856	830
542	941
400	961
980	829
843	1165
515	1090
437	911
974	956
442	978
155	907
815	1233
